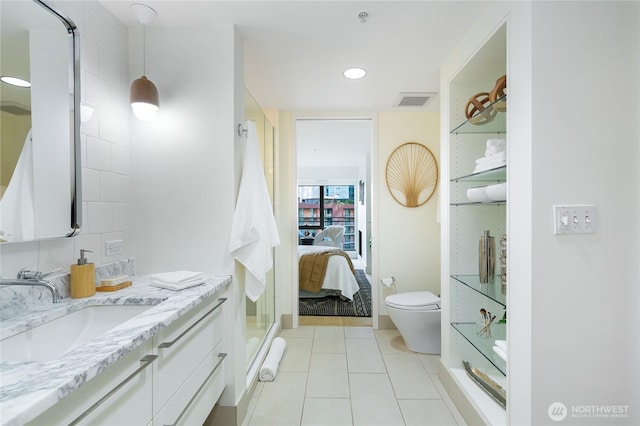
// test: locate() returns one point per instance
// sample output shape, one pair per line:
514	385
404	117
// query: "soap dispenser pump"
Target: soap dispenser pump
83	276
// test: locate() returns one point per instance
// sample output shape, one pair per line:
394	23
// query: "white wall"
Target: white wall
566	149
323	175
184	165
105	149
585	288
408	239
183	161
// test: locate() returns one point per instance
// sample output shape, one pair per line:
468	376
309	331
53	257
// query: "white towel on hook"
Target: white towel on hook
17	207
254	232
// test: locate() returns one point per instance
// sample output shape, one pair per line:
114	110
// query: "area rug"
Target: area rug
334	306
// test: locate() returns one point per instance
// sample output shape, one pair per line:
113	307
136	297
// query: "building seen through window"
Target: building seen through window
320	206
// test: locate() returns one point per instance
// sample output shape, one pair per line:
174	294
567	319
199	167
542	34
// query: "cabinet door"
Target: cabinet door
194	400
182	346
120	395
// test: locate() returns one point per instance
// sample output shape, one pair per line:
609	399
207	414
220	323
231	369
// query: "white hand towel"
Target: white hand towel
502	354
17	207
177	287
253	232
177	280
269	368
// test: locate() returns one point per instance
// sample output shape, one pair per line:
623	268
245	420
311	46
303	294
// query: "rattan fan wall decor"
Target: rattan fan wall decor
412	174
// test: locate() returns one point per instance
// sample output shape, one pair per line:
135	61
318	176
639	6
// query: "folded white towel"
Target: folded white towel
502	344
177	280
489	166
497	192
269	368
180	286
177	277
494	146
495	142
500	156
502	354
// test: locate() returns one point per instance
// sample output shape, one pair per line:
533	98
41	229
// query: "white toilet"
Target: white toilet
416	315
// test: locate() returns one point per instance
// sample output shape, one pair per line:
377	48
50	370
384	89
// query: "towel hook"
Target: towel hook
242	131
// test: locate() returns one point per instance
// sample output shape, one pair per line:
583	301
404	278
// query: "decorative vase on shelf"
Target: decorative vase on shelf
487	258
503	263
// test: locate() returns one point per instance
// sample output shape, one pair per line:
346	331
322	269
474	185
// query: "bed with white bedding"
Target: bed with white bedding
338	279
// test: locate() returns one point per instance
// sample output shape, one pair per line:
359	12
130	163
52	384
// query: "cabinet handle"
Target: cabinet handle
222	356
146	360
169	344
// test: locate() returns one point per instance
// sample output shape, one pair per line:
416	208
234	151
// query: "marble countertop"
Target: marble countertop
29	388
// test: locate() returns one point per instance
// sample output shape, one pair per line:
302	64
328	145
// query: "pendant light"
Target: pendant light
143	93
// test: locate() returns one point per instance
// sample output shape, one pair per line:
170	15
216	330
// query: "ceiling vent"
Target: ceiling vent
416	99
14	108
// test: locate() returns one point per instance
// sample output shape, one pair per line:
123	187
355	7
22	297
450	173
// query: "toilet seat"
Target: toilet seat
413	301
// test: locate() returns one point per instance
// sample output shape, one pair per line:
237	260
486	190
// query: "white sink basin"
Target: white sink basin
52	339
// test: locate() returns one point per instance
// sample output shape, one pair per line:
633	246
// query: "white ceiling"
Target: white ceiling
296	51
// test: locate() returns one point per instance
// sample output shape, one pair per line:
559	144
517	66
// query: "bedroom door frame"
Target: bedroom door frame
371	203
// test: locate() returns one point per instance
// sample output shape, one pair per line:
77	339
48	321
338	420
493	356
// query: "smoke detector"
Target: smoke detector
414	99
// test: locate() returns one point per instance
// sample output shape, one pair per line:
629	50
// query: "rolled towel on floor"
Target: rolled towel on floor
269	368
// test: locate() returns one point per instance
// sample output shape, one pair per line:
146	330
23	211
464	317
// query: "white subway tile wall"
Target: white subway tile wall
105	149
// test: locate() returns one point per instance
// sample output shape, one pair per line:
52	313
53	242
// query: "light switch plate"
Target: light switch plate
574	219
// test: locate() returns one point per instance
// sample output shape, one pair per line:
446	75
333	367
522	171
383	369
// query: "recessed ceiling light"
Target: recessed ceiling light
355	73
15	81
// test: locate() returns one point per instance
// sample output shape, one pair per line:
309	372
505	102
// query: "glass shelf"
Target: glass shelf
497	125
474	203
492	290
499	174
484	346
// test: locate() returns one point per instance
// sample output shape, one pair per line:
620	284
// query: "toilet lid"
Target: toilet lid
414	300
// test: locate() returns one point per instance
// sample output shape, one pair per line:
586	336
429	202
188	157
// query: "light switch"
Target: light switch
574	219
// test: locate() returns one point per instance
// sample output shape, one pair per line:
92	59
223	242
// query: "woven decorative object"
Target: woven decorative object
412	174
497	93
476	109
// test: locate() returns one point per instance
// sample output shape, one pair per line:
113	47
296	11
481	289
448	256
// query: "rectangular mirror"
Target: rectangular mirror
40	125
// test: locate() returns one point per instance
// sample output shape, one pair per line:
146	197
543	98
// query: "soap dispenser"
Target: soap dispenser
83	276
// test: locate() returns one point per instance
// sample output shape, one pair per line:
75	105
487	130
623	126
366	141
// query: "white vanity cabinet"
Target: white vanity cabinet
122	395
173	378
188	375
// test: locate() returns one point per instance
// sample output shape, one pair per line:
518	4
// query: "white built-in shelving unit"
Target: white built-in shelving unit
464	223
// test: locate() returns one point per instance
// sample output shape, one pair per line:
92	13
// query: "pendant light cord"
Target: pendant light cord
144	49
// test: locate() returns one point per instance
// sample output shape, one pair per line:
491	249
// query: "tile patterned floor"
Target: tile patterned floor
351	375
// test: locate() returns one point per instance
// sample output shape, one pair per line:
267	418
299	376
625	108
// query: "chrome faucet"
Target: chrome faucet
34	278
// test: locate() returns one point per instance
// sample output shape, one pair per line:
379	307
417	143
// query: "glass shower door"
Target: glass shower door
260	315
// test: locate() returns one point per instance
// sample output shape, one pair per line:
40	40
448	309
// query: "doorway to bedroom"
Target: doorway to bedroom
334	225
